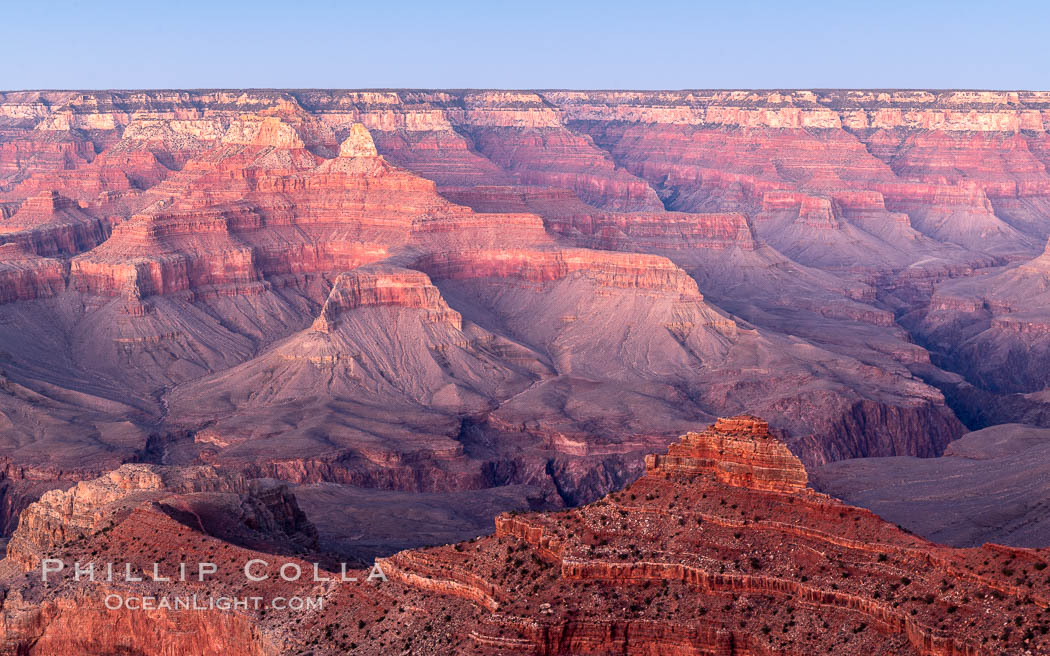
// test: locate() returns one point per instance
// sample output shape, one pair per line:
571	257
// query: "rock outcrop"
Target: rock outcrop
49	224
718	549
740	452
383	286
149	517
228	506
709	554
25	276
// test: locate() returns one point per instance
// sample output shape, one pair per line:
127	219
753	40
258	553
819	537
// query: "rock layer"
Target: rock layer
443	292
707	553
740	452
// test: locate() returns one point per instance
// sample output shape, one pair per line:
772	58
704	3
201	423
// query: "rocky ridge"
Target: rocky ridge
718	549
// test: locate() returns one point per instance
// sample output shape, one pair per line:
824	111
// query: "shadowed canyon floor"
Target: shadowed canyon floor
456	303
992	485
718	549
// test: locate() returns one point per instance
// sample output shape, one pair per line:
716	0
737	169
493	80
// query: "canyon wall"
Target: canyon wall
443	292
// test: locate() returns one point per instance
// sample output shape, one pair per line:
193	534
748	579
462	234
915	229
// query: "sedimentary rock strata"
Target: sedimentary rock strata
454	291
719	548
993	327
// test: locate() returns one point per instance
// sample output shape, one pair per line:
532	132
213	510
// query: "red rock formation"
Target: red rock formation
441	155
708	169
267	207
197	512
718	549
64	516
587	226
415	289
1002	164
25	276
378	287
18	157
740	452
744	544
558	158
643	272
74	626
50	224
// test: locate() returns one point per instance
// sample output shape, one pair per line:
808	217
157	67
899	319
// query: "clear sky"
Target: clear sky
110	44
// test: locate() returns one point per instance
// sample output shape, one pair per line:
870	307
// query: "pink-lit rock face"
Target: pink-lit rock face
50	224
26	276
201	232
510	297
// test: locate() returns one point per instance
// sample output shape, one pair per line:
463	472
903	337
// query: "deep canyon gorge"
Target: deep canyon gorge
359	322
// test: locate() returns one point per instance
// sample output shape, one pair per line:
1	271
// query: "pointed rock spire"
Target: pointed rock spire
739	451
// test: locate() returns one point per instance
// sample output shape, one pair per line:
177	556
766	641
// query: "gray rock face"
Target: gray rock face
992	485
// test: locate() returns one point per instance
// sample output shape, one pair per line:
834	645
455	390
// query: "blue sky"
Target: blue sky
459	44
